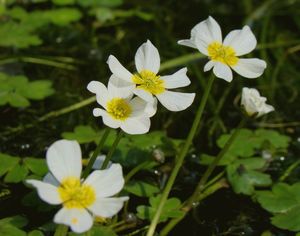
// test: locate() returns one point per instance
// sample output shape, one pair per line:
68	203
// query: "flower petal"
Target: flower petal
136	125
207	32
188	42
117	69
47	192
147	58
107	207
120	88
98	112
106	182
209	65
176	80
110	121
176	101
250	67
50	179
64	159
138	107
148	97
99	162
223	71
100	90
242	41
78	219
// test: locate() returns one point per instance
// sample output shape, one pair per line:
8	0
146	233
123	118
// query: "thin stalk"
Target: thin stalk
209	191
95	154
215	162
180	159
289	170
112	150
136	170
198	194
61	230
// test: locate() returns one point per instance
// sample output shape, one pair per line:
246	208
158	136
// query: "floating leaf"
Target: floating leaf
16	175
16	90
284	202
171	209
141	189
244	175
82	134
7	163
36	166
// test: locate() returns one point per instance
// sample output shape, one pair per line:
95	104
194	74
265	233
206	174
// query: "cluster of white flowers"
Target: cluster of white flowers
128	102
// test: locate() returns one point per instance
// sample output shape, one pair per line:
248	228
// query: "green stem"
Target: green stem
198	194
95	154
112	150
289	170
180	159
136	170
61	230
215	162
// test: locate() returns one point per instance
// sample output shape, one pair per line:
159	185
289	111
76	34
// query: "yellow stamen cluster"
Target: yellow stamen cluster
224	54
149	81
76	195
118	108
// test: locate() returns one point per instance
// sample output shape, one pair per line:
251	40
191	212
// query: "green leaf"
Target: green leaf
97	231
244	175
63	2
141	189
35	233
101	3
36	166
11	230
284	202
63	16
276	139
82	134
38	90
17	221
171	209
7	163
16	175
206	159
17	100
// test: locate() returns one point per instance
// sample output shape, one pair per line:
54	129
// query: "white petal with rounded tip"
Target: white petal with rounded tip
64	159
107	207
117	69
250	68
100	90
242	41
207	32
78	219
110	121
136	125
223	71
107	182
99	162
147	58
176	101
148	97
209	65
120	88
47	192
177	80
151	108
50	179
138	106
98	112
188	43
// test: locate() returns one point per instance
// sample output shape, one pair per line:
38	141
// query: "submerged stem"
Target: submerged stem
180	158
112	150
95	153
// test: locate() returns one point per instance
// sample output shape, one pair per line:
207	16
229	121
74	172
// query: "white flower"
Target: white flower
146	83
254	104
121	111
207	38
81	201
99	162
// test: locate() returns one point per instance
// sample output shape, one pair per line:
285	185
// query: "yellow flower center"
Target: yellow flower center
118	108
224	54
149	81
76	195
